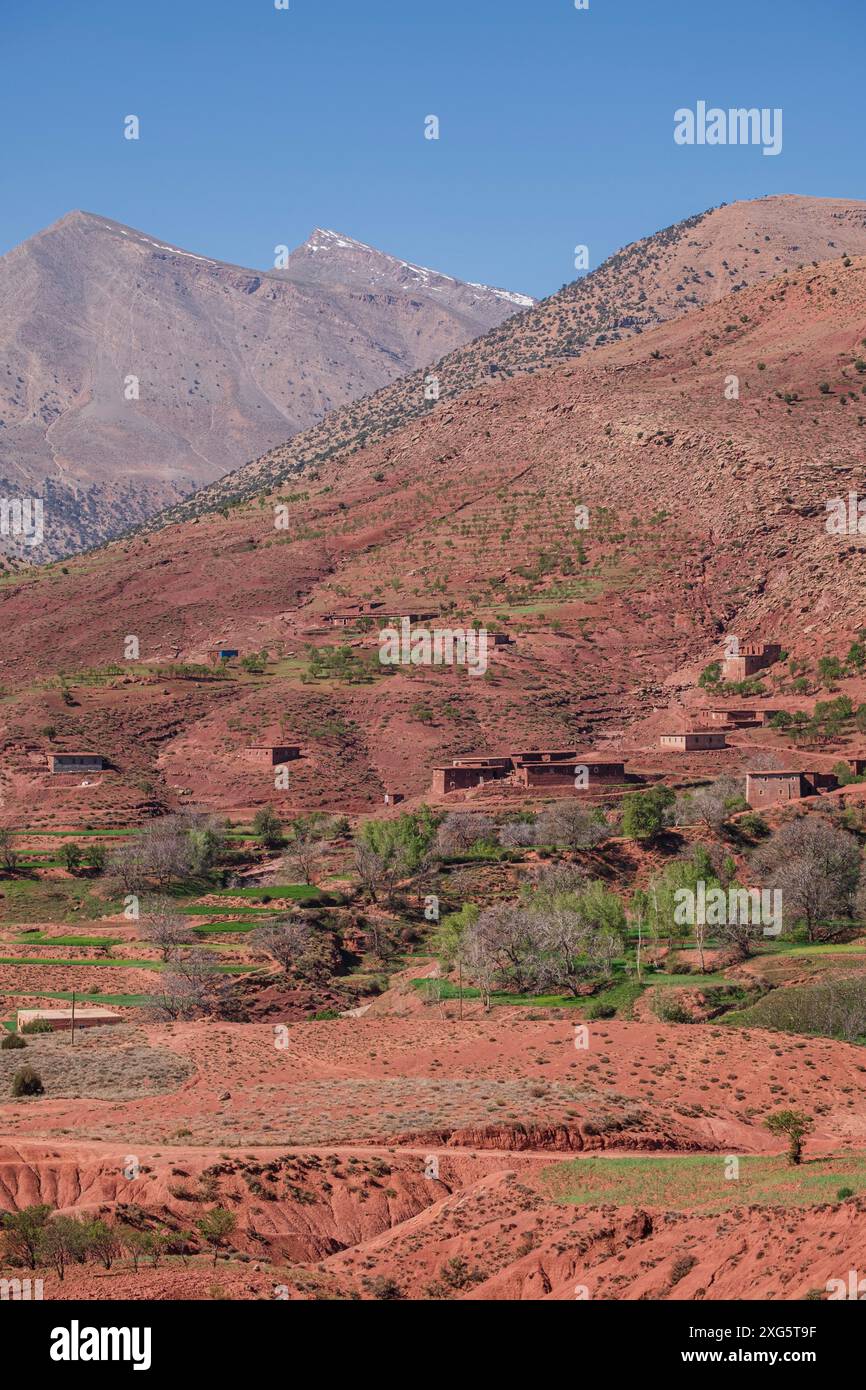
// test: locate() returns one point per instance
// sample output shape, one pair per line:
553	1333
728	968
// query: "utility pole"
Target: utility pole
72	1044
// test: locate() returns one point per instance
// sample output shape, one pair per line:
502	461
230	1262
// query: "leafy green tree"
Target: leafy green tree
70	854
216	1226
255	662
95	856
856	656
137	1244
64	1241
388	850
205	844
644	813
103	1241
794	1125
268	828
829	669
781	720
23	1232
682	875
711	675
448	939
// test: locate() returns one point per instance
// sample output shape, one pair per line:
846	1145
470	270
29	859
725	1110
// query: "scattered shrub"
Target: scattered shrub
27	1082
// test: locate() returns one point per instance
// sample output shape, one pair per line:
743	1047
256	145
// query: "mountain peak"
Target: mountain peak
232	361
334	254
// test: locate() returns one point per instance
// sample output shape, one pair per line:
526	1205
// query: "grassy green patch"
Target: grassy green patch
112	964
297	892
209	910
31	900
444	989
216	928
697	1182
39	938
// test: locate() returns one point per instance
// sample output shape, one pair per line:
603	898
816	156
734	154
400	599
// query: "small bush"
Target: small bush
37	1025
11	1041
843	1193
754	825
681	1266
599	1010
27	1082
669	1010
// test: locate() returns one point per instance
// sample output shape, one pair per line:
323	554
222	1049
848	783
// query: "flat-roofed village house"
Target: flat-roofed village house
273	754
772	788
729	718
693	741
76	762
551	768
61	1019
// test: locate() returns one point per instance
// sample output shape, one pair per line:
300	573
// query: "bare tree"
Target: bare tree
517	834
127	867
460	830
304	853
570	825
189	989
554	880
710	805
8	853
298	947
166	851
504	934
164	928
380	867
817	867
480	963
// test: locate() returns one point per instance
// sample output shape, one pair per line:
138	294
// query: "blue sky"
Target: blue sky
556	124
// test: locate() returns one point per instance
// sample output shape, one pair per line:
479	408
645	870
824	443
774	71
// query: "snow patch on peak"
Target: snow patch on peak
324	239
525	300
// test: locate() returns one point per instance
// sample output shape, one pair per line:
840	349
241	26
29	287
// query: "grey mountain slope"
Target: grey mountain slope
133	372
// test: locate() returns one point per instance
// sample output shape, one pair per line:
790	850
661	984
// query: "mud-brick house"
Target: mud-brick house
559	770
76	762
218	654
542	768
775	788
355	613
61	1019
751	658
693	741
467	772
272	754
735	718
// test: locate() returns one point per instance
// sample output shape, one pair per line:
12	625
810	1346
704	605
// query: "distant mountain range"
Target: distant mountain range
705	449
133	372
694	263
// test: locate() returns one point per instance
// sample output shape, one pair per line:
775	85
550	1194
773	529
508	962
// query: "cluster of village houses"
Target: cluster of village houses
568	770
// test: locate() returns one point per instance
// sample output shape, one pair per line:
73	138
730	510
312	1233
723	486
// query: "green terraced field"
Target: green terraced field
113	964
698	1182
